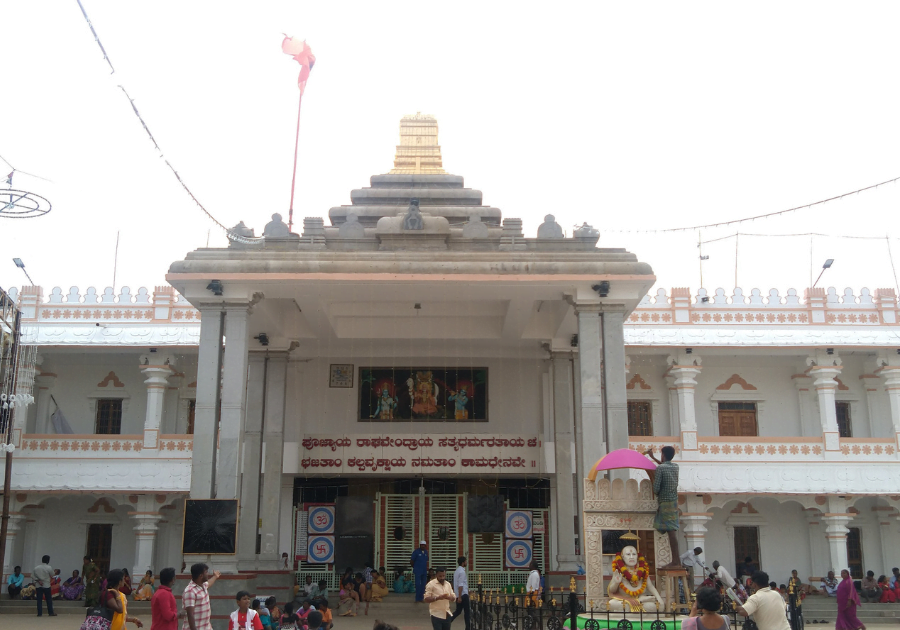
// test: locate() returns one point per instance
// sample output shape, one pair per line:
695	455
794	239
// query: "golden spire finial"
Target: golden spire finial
418	152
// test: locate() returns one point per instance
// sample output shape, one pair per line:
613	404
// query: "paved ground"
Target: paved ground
398	610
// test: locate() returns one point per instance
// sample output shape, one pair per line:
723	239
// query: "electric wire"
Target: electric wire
228	231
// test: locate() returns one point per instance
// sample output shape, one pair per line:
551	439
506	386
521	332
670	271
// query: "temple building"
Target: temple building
420	369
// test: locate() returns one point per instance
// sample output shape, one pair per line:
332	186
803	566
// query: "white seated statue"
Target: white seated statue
631	589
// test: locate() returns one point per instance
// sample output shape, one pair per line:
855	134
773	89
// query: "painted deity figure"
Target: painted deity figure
386	405
424	392
460	399
630	588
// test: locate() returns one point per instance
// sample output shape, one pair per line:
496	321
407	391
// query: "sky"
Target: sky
629	116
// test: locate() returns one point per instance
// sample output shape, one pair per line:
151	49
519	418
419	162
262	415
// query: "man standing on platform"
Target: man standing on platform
195	598
461	588
665	487
419	562
438	595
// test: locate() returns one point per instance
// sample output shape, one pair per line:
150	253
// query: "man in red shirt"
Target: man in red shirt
163	610
243	618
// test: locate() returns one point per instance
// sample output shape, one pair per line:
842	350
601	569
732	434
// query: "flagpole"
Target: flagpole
294	173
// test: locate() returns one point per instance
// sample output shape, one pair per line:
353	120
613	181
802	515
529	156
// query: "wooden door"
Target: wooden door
746	544
737	420
640	422
854	553
99	546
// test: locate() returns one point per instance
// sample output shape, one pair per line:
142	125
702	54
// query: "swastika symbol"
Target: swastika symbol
518	553
321	549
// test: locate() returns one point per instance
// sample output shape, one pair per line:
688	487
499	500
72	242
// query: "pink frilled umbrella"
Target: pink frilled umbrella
622	458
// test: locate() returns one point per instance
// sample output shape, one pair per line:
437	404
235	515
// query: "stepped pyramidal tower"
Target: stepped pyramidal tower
418	152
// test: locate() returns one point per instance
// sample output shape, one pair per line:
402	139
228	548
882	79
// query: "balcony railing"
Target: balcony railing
102	463
774	449
91	446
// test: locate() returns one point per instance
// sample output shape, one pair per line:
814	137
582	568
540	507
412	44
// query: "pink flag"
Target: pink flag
300	51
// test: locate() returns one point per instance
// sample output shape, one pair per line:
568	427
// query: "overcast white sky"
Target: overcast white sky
625	115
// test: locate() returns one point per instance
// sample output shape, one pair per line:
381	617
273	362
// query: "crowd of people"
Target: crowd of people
46	583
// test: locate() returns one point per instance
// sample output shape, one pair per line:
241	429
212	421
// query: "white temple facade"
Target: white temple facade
256	373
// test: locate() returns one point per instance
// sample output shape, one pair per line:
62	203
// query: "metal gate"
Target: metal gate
404	519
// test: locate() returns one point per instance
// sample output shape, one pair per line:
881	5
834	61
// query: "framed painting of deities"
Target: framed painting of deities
423	394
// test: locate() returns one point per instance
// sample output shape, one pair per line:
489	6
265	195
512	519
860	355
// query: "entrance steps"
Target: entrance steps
818	607
65	607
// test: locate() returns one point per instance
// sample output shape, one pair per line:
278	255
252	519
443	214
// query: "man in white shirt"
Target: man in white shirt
723	575
461	589
766	605
691	560
41	576
438	595
533	586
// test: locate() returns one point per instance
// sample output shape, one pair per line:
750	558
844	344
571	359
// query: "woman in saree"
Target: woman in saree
379	586
55	583
847	602
126	586
92	588
73	587
144	591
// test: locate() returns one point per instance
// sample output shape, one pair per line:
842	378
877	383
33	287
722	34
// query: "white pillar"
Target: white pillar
693	523
43	384
824	368
615	397
674	422
684	368
593	446
234	400
273	465
818	551
146	519
248	526
836	520
157	368
206	408
809	426
563	440
887	539
14	526
890	372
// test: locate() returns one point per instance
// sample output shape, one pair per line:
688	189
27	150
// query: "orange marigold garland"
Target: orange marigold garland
637	580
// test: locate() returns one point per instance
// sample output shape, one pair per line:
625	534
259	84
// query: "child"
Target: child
288	620
274	611
315	620
265	616
244	618
327	619
303	613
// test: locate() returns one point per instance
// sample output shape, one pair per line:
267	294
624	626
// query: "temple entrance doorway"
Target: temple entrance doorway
99	546
854	553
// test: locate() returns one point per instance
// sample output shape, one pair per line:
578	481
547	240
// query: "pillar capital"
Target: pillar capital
824	365
684	359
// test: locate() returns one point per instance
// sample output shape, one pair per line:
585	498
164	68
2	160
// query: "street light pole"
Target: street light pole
6	422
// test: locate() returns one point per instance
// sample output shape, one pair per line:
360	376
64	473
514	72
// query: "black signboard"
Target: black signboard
210	526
